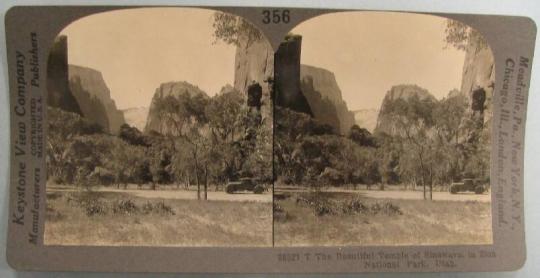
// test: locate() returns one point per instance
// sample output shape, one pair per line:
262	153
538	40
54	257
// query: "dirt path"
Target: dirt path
418	195
184	195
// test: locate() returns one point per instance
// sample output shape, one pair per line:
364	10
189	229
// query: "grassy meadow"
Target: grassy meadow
120	219
330	219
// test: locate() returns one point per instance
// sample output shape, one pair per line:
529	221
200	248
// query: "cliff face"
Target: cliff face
136	117
385	122
479	73
366	118
254	62
179	91
94	98
58	93
287	76
322	92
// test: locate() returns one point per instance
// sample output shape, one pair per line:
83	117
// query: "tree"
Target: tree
225	114
451	127
185	117
159	163
128	163
460	35
414	119
232	29
132	136
362	136
63	128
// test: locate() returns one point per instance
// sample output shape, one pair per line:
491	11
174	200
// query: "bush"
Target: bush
353	206
258	189
89	202
94	208
52	214
280	215
321	209
386	209
322	206
157	208
127	207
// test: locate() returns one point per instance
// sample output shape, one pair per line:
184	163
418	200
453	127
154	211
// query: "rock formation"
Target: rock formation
58	92
136	117
288	92
94	98
302	88
478	79
178	90
366	118
385	123
80	90
254	63
323	94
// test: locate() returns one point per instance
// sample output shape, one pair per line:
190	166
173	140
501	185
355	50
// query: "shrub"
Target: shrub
96	207
353	206
157	208
322	206
53	215
127	207
280	215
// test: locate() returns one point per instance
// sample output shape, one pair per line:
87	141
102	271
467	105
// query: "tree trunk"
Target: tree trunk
205	182
422	170
197	175
198	184
431	182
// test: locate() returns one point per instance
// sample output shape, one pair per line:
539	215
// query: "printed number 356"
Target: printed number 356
276	16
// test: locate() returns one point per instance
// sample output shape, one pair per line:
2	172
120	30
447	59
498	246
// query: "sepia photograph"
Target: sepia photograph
382	131
159	131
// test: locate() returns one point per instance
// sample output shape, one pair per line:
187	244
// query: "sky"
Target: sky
369	52
138	49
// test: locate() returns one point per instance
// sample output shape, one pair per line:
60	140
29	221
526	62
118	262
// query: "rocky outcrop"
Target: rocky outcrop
58	93
94	98
288	92
323	94
478	78
180	91
136	117
254	63
385	122
366	118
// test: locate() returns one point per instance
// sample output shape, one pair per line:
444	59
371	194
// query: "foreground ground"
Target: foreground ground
127	219
344	218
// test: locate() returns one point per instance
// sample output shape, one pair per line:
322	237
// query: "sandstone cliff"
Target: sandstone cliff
323	94
58	93
94	98
178	90
136	117
287	76
385	123
479	72
254	61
